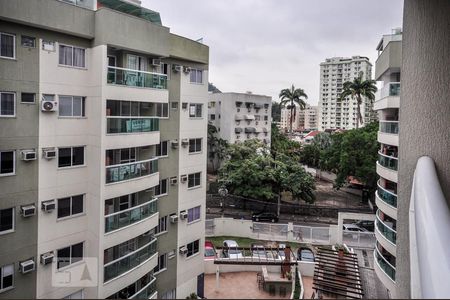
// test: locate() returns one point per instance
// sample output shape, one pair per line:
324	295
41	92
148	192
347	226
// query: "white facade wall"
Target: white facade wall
333	73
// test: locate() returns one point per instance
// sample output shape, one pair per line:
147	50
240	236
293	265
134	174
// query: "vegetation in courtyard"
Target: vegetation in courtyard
276	111
217	147
290	98
357	89
251	170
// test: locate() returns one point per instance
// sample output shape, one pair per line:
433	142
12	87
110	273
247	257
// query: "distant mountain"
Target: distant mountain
212	88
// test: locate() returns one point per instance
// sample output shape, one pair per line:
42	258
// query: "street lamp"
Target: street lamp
223	192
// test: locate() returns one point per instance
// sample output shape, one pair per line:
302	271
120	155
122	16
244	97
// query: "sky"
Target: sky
264	46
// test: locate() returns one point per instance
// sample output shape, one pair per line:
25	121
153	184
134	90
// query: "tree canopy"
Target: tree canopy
293	97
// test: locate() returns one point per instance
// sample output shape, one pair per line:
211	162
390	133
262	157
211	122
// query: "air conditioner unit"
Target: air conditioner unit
47	258
48	206
176	68
48	106
186	69
28	211
173	218
183	250
184	142
156	62
28	155
173	180
184	105
183	215
183	178
27	266
49	153
174	144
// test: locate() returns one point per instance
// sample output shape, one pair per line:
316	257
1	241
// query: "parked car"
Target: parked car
231	253
259	251
305	254
353	227
210	251
368	225
265	217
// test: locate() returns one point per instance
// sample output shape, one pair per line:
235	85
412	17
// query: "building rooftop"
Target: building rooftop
131	9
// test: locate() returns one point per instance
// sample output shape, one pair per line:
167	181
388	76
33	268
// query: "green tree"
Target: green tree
310	155
276	111
280	143
359	88
292	97
217	147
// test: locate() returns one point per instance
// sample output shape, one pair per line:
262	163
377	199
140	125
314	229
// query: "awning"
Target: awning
266	105
257	106
249	117
238	118
238	130
250	129
249	104
238	103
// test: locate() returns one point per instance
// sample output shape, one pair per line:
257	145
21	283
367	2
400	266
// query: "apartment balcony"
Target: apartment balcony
147	292
386	201
388	133
385	235
131	131
385	271
390	60
387	167
388	96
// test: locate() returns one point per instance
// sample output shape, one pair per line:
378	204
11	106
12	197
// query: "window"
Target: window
165	69
71	156
72	56
169	294
6	277
195	145
212	104
194	180
69	255
70	206
266	118
195	110
76	295
193	214
162	110
28	41
28	98
7	104
196	76
193	248
7	163
72	106
174	105
7	45
162	263
212	116
161	149
162	225
162	188
6	220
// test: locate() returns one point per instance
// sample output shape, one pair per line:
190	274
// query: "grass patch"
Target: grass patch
246	242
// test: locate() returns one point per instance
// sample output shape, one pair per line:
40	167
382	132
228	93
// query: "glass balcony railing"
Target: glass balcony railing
129	261
385	230
131	215
131	124
387	196
147	291
389	127
384	265
389	162
390	89
136	78
128	171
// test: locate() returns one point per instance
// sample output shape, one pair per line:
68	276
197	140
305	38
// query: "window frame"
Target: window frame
73	56
14	103
13	229
14	46
163	222
21	98
83	107
196	71
199	179
162	115
70	255
196	151
194	116
71	214
160	185
199	207
14	163
30	37
158	269
161	148
193	248
3	289
71	157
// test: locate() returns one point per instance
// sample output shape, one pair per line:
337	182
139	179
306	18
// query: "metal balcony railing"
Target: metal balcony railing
136	78
389	233
389	127
131	215
128	171
120	125
387	161
386	195
390	89
429	238
147	291
384	265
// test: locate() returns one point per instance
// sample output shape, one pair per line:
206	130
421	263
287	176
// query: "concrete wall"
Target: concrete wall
424	110
391	57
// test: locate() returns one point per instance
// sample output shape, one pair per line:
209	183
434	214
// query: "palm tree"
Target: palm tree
293	96
359	88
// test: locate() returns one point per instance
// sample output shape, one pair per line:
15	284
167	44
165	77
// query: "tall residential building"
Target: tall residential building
305	119
387	104
333	73
102	168
285	120
241	116
311	117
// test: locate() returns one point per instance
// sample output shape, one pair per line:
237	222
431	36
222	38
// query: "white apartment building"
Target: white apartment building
333	73
285	120
241	116
306	119
387	104
119	106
